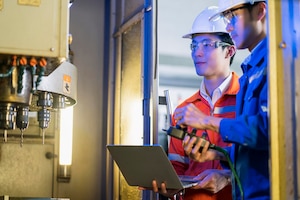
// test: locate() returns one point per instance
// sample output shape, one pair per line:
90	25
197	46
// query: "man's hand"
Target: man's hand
197	149
161	190
190	115
213	180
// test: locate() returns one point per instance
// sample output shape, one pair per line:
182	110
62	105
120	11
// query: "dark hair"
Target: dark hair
225	37
250	6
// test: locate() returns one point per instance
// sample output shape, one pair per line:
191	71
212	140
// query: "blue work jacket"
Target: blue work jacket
249	131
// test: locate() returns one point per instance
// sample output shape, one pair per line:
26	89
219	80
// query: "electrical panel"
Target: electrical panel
34	27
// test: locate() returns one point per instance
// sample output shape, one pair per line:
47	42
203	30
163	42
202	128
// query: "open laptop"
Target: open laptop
141	164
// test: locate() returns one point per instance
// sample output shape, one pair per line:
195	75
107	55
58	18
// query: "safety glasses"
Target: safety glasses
207	45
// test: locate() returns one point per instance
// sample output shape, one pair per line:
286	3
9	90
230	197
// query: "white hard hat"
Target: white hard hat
202	24
225	5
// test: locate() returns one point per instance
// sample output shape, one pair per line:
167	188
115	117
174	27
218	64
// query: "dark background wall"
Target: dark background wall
87	29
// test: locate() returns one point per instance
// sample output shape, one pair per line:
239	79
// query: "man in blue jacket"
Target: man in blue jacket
249	131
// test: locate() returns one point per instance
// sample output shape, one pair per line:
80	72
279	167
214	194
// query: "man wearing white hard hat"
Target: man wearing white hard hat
249	132
212	50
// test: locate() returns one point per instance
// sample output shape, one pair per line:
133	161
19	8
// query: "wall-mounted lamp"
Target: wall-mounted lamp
65	144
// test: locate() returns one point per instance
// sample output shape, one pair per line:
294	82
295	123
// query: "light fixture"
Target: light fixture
65	144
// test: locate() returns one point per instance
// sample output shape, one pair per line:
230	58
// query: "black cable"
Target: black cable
220	149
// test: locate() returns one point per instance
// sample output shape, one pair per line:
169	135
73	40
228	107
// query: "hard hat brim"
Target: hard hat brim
190	35
217	15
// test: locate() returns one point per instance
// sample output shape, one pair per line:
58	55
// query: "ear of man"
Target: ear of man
231	50
260	11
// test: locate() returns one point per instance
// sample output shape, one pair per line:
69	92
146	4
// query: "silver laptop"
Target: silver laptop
140	164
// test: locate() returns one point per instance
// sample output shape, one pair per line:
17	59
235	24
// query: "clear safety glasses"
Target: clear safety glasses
230	16
207	45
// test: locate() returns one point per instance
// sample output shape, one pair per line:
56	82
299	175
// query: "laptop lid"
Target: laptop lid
140	164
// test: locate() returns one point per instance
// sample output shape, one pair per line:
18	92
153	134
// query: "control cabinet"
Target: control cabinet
34	27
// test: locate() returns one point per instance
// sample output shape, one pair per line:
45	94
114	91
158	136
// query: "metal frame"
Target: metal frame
282	98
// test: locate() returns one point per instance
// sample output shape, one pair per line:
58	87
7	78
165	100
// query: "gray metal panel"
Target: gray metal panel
131	7
25	171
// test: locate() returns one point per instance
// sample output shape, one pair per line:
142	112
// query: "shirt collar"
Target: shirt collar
217	93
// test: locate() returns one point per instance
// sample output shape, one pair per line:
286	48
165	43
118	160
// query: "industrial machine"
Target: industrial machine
36	74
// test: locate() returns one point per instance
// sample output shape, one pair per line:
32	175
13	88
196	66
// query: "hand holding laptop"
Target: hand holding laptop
212	180
162	189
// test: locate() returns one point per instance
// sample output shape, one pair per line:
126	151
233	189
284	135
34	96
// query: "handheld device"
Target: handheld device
177	131
180	133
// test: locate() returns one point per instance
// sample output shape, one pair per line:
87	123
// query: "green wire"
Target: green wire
220	149
8	73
